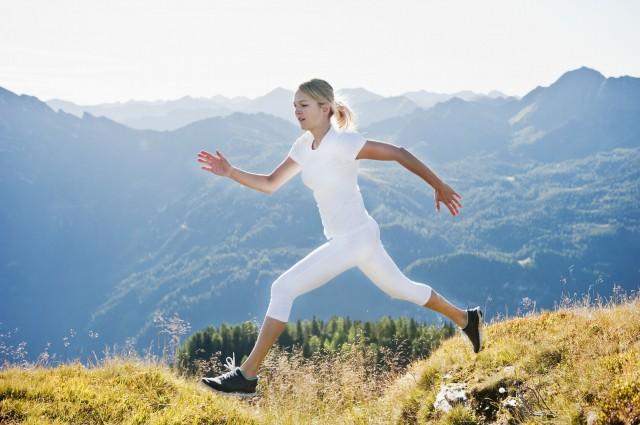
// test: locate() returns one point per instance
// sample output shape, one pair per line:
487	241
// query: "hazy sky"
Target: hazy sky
90	51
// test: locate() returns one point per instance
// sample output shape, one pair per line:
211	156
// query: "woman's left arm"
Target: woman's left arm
382	151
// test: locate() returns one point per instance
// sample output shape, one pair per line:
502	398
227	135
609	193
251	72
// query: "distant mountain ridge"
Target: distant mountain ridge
172	114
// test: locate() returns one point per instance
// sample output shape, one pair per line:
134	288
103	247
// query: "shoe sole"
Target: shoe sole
480	333
481	330
230	394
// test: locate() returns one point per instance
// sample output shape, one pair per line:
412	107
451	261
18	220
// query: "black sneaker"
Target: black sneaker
474	330
232	382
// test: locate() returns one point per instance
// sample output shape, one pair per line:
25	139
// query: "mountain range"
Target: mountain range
172	114
104	225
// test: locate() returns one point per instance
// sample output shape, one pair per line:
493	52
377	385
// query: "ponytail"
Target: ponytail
344	116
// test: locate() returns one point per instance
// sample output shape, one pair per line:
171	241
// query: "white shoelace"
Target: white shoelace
231	362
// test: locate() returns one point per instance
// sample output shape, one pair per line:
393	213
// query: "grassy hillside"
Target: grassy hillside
577	364
573	365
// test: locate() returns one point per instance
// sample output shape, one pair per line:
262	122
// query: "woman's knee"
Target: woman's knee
418	292
281	301
283	288
412	291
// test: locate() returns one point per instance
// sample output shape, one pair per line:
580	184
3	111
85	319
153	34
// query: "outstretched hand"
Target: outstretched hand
445	194
217	164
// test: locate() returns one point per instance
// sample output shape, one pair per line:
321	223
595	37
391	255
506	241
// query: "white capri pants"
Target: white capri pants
360	247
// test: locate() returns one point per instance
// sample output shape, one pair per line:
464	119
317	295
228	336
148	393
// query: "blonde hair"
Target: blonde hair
322	92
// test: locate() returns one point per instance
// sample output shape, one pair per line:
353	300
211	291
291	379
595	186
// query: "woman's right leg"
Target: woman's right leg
269	333
314	270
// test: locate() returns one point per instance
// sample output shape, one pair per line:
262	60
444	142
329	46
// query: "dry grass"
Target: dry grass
577	363
336	388
118	390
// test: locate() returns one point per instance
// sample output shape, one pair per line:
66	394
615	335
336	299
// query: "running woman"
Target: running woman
327	153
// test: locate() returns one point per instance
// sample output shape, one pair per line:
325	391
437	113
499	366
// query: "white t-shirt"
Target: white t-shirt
331	172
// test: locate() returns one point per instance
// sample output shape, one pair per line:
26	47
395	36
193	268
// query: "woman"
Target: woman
327	153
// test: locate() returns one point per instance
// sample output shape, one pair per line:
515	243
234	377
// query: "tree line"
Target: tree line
403	335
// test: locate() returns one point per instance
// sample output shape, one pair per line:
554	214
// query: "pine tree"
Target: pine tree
285	339
299	334
315	327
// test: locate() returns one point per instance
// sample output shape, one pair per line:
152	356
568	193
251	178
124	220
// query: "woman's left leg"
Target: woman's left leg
440	304
383	271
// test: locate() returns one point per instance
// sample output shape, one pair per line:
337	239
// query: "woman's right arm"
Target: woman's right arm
257	182
219	165
283	173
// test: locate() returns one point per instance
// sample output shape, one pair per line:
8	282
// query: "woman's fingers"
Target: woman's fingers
456	200
447	197
205	154
453	202
458	204
448	205
452	206
208	159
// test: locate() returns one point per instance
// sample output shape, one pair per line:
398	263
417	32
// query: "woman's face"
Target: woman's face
309	113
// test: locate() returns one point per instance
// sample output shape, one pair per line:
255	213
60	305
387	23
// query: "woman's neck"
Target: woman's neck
319	133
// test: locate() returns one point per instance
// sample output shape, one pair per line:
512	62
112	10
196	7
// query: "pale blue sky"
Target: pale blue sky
92	51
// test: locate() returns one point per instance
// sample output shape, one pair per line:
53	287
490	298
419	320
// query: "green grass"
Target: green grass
579	361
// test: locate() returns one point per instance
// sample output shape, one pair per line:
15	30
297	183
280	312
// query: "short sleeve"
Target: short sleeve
353	145
295	151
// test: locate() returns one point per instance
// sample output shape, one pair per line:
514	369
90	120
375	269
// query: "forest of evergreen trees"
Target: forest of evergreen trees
413	339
